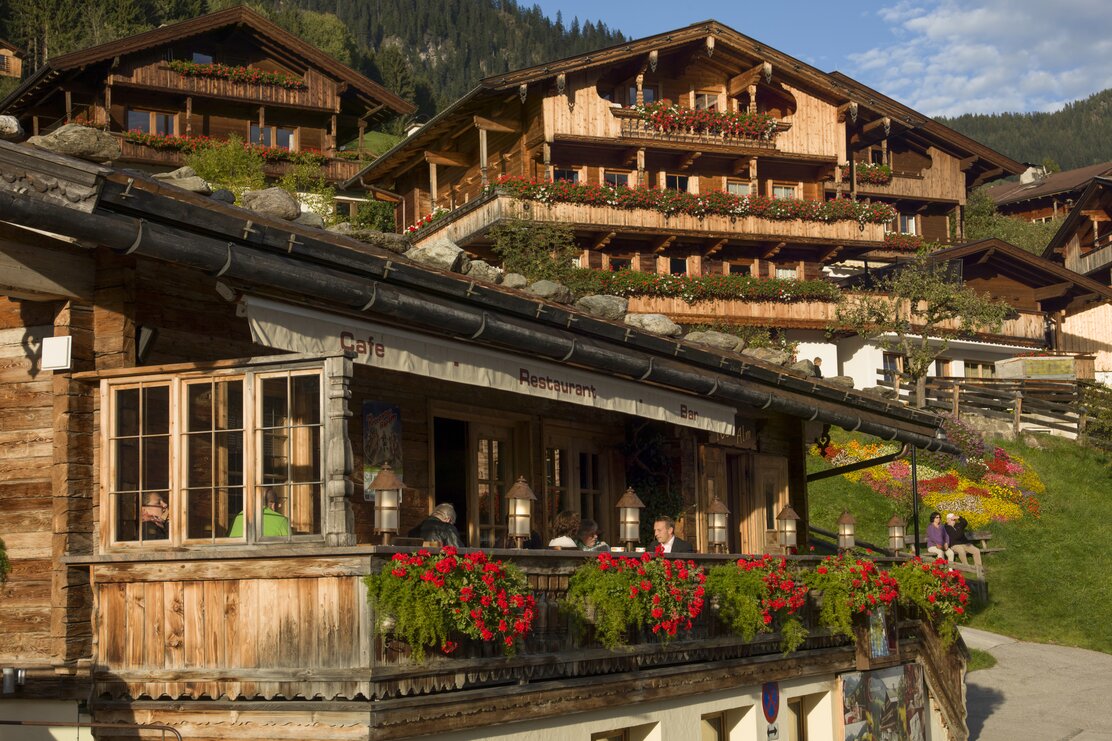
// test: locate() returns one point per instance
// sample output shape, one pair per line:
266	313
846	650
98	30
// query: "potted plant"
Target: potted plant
430	599
760	596
851	588
618	593
939	592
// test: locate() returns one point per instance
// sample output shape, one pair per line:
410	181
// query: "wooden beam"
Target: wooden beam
1055	291
968	162
451	159
663	243
602	239
987	175
35	267
831	253
688	159
738	84
370	112
716	247
987	256
882	122
629	158
848	112
774	250
489	124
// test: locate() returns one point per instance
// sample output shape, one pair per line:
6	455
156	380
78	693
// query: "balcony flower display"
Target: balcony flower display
190	144
692	288
248	75
715	203
437	214
850	587
903	242
939	592
873	174
649	592
670	118
434	598
761	595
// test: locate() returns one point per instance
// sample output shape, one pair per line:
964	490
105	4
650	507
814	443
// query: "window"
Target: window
712	727
178	466
737	268
282	137
782	190
616	178
892	366
151	122
876	156
201	58
677	265
786	273
942	367
676	182
738	187
649	94
620	263
571	176
979	370
908	224
706	101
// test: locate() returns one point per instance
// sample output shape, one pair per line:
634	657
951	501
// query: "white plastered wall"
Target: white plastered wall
42	710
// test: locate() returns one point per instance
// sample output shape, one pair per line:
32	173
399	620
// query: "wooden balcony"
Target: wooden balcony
470	222
633	125
321	94
245	626
334	170
1091	261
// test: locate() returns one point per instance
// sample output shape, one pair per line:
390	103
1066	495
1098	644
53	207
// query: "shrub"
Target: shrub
306	183
5	564
229	165
692	288
375	216
850	586
760	596
537	250
939	592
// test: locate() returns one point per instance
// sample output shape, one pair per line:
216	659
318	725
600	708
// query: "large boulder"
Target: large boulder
882	392
310	218
179	174
344	227
224	196
78	141
551	291
654	323
274	202
768	355
194	185
806	367
514	280
484	271
10	130
846	381
717	340
443	253
603	306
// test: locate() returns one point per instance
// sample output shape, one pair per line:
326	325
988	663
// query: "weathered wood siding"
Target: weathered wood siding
941	180
1087	332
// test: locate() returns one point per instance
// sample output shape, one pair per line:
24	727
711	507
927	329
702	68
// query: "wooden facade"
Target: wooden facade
178	390
129	85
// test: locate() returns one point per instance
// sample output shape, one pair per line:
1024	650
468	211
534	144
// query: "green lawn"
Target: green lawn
374	143
1052	583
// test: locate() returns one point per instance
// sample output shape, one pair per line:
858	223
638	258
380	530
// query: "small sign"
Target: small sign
56	352
770	702
773	732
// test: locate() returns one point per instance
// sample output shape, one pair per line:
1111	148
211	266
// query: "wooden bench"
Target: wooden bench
979	538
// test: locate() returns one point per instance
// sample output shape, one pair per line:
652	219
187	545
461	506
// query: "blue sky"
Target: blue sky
941	57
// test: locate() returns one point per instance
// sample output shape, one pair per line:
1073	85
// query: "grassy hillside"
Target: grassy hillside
1051	584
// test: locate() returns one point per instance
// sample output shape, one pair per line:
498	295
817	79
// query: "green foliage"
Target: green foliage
306	183
1097	400
5	564
939	592
375	216
692	288
737	593
979	659
538	250
750	336
323	30
983	221
1077	135
229	165
908	309
761	595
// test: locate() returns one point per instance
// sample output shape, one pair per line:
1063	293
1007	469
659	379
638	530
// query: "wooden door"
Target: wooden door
770	494
489	477
739	500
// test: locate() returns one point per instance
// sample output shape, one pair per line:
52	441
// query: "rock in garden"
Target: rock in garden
846	381
179	174
881	391
717	340
272	202
193	184
224	196
310	218
78	141
10	128
654	323
484	271
806	367
344	227
551	291
443	253
768	355
604	307
514	280
390	242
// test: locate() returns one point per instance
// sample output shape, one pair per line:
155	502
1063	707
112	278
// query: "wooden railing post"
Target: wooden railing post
956	400
1018	413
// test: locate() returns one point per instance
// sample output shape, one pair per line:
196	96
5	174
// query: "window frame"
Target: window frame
745	186
794	187
178	381
912	222
271	131
151	119
686	182
704	95
653	91
574	171
616	174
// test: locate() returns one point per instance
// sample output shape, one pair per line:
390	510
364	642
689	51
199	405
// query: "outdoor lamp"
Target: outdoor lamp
896	533
520	499
388	496
629	517
788	523
845	531
716	525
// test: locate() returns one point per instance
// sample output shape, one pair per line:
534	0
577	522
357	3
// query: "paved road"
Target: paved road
1038	692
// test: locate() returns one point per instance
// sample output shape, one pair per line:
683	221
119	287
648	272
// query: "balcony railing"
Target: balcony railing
320	93
634	126
471	220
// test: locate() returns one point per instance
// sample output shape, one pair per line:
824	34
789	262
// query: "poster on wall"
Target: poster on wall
885	705
382	442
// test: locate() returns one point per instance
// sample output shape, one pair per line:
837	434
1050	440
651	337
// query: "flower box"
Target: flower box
1043	367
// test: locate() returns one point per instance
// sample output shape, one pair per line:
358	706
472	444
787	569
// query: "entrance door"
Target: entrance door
489	480
739	500
770	495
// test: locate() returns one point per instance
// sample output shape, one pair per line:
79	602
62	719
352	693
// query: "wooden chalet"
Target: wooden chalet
1042	196
226	73
165	350
1084	244
11	60
589	119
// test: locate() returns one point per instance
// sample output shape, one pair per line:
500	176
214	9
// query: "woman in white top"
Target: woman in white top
564	528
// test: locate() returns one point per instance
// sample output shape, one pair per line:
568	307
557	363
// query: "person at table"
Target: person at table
565	526
154	516
959	541
275	524
664	528
439	528
588	537
938	543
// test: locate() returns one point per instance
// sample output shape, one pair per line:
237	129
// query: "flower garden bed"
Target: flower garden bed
716	203
693	288
248	75
191	144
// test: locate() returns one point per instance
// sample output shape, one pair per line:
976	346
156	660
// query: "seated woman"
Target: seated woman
938	542
588	537
565	526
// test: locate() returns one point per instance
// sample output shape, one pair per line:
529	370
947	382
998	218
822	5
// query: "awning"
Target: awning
302	330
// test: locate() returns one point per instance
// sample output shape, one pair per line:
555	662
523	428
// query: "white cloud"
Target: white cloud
983	56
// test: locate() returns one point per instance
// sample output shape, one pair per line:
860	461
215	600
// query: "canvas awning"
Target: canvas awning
303	330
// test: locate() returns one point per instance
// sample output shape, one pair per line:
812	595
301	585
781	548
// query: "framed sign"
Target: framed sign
382	442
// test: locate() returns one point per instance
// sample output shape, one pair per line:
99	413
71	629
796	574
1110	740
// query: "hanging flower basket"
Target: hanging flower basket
247	75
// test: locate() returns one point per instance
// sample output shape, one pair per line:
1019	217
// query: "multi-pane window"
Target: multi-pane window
283	137
738	187
786	273
706	101
566	174
676	182
192	461
590	486
649	94
616	178
737	268
620	263
677	265
150	122
780	190
490	460
555	481
876	156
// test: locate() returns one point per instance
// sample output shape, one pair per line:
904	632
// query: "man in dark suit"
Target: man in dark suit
664	528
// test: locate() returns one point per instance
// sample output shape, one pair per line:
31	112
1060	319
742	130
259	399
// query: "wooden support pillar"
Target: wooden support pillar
753	98
884	151
69	106
107	108
955	405
641	167
1017	420
362	133
432	184
35	125
188	115
640	89
262	125
335	135
483	157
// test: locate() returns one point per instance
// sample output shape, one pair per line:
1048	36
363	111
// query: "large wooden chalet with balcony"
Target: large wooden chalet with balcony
227	73
177	373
